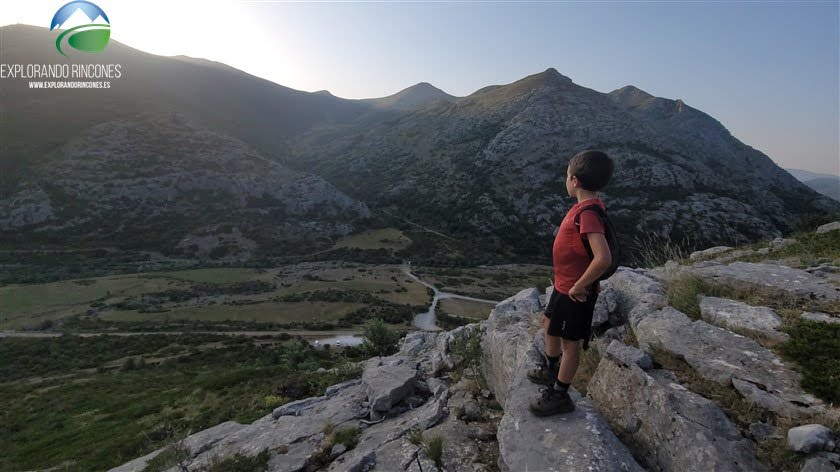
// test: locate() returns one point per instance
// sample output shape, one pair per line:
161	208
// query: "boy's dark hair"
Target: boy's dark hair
593	168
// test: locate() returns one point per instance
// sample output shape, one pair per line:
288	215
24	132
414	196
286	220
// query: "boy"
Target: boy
568	313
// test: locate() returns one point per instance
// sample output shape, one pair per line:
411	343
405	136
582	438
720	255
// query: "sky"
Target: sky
768	71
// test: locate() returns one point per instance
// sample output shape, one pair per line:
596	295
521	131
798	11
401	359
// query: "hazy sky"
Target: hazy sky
769	71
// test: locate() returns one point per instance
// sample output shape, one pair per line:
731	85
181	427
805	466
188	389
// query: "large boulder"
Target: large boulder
508	336
757	321
669	427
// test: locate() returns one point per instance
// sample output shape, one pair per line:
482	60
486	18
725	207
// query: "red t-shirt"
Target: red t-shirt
569	254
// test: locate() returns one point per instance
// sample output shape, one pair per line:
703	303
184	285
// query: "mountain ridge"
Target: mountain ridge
485	169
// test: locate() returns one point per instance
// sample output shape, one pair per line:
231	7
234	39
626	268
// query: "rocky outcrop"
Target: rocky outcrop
758	321
729	359
669	427
769	276
716	354
581	440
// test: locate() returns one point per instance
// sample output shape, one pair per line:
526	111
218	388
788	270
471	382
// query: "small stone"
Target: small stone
810	438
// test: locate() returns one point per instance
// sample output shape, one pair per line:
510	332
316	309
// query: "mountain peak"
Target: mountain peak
413	97
552	75
631	96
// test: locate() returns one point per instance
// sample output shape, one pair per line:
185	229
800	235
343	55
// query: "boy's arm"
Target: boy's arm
600	262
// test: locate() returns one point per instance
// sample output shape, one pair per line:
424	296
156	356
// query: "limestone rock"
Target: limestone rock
821	317
761	321
833	226
708	253
810	438
822	462
627	355
195	443
771	276
580	440
668	426
722	356
636	294
780	243
388	380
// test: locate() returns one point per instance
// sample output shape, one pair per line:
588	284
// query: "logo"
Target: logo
86	27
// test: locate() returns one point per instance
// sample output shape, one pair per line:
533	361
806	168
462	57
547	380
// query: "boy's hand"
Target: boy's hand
578	293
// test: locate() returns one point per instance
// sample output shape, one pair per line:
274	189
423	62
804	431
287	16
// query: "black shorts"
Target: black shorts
569	319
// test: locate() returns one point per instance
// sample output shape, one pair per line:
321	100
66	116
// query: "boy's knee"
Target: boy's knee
569	344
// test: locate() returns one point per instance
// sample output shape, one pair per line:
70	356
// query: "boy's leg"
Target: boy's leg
546	374
570	361
553	347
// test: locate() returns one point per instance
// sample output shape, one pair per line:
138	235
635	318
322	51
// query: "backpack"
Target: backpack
615	252
609	235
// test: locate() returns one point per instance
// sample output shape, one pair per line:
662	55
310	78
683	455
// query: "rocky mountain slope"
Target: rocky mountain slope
488	168
216	96
164	183
659	391
485	171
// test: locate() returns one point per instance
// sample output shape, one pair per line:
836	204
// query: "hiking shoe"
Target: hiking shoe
543	375
551	402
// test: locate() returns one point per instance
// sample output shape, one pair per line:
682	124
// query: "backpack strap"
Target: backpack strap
585	241
586	246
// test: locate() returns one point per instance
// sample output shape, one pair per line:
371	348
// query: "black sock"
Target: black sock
561	386
552	362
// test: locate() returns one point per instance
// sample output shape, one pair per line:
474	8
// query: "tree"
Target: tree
380	340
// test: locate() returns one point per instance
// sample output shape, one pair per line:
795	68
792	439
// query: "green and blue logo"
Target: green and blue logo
86	27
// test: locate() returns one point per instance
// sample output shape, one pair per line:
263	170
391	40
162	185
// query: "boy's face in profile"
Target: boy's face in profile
570	188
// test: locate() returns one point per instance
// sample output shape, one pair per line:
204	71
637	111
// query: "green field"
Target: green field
205	294
387	238
275	312
466	308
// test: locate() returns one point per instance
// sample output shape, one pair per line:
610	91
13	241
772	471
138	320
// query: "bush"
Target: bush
468	350
380	340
